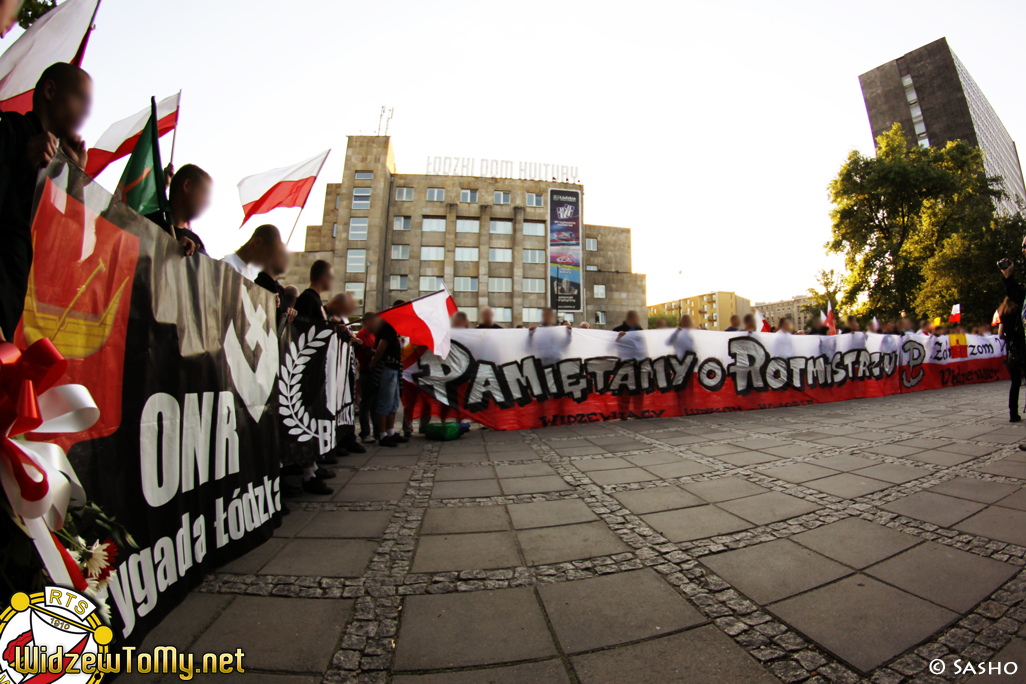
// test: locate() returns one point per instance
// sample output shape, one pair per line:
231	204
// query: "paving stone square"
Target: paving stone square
820	544
615	609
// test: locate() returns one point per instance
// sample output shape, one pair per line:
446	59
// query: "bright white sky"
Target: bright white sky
710	129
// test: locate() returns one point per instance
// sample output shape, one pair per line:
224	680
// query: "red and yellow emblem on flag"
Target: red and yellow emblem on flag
79	293
959	346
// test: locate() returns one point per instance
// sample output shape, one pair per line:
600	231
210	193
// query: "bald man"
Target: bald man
60	105
259	252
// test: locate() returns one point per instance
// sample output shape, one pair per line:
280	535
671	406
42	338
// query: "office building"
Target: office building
709	311
791	308
392	236
931	94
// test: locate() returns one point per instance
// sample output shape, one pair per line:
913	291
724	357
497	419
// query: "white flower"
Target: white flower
95	559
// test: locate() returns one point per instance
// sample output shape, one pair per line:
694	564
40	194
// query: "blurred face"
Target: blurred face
371	324
487	317
197	197
327	280
8	15
68	107
279	260
662	324
686	322
750	323
632	318
548	317
786	326
735	322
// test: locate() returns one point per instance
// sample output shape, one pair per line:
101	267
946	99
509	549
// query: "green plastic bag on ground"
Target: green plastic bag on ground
443	431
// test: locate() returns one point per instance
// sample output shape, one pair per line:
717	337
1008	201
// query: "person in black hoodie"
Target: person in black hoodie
189	197
60	105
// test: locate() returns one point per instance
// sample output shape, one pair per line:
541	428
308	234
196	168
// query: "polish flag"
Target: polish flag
761	324
60	35
285	187
831	322
119	140
956	314
425	320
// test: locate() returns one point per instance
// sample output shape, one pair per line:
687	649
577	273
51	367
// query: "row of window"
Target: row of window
438	195
470	284
496	254
358	228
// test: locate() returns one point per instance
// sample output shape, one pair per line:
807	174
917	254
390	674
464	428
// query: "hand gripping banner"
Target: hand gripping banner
517	379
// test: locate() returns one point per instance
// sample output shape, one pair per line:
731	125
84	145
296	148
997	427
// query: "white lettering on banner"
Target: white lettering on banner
501	168
173	451
138	581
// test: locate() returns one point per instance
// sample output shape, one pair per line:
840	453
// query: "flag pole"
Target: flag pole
316	177
174	134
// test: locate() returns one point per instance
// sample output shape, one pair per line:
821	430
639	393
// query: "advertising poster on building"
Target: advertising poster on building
565	235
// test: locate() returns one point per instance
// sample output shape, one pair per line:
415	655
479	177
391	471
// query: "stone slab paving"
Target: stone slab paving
837	543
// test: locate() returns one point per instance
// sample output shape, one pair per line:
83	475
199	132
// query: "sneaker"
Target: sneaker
355	447
400	439
323	473
367	439
328	460
388	441
315	486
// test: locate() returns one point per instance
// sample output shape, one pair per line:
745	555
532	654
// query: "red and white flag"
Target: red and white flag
425	321
288	186
956	314
761	324
60	35
997	318
831	322
119	140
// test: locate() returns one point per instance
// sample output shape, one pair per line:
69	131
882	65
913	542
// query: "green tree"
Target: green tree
894	211
671	320
964	271
831	284
31	10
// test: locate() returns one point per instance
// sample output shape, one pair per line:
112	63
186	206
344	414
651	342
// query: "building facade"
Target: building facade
709	311
396	236
791	308
931	94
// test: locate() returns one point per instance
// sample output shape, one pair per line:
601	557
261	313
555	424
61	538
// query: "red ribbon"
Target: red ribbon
24	375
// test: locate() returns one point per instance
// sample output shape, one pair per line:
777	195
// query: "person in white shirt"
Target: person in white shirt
258	251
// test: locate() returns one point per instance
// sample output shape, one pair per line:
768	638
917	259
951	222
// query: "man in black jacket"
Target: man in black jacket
189	197
60	105
630	324
309	304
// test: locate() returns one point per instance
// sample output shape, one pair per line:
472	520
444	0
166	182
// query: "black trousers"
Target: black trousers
1015	369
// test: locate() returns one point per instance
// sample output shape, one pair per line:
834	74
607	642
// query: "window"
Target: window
468	226
404	194
600	292
534	228
436	195
568	317
356	289
432	253
468	196
338	200
397	282
534	256
364	175
465	285
503	314
471	312
400	251
430	283
500	284
401	223
534	285
356	261
467	254
357	229
361	198
535	200
334	230
532	315
589	267
500	227
591	244
500	254
600	317
433	225
501	197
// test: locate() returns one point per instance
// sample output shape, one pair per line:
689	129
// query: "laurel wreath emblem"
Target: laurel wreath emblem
296	418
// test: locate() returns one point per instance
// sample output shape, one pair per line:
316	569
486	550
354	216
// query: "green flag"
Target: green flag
142	185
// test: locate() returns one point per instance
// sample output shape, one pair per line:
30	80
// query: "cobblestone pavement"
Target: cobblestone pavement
842	543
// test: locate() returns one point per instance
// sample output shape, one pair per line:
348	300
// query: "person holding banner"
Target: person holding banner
189	197
60	106
308	304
